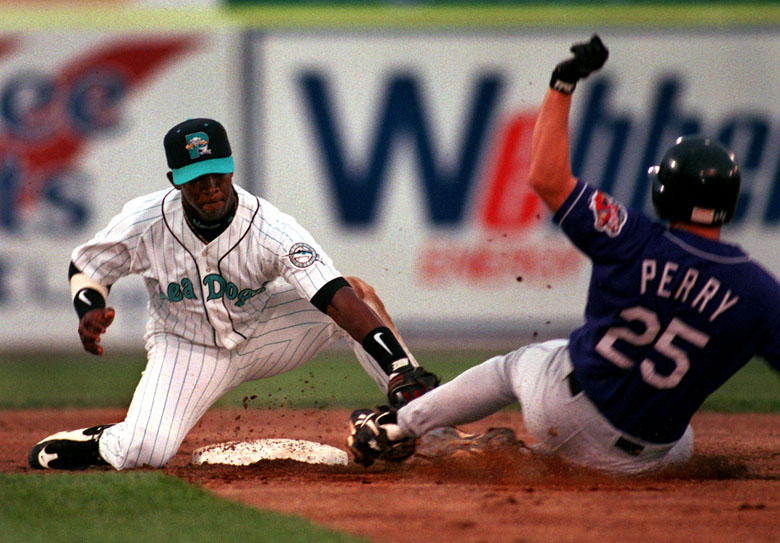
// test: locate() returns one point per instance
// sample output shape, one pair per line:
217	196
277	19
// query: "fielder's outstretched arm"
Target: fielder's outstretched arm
352	314
366	327
367	293
356	308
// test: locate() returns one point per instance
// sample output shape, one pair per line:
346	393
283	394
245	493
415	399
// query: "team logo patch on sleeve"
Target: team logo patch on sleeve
302	255
609	214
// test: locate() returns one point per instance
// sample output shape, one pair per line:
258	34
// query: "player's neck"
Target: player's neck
208	231
709	232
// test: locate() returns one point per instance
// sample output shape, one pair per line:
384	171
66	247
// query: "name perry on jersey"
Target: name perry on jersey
693	289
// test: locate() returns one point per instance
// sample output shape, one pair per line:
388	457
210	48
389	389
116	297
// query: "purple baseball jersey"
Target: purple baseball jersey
670	316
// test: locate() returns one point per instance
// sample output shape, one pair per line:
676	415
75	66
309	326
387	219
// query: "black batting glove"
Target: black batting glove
408	384
588	58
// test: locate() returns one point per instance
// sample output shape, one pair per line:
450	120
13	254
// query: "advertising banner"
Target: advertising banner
405	153
82	119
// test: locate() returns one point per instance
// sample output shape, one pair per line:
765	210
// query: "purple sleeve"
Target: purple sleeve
600	226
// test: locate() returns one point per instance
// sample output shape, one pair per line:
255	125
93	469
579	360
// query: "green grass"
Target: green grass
756	387
335	379
106	507
662	15
47	380
535	14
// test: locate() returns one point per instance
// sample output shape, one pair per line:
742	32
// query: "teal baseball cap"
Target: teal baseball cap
197	147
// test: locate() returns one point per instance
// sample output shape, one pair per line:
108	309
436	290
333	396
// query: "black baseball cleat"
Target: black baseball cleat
76	449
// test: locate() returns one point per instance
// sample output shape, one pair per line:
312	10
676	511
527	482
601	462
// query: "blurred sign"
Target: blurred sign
406	154
81	127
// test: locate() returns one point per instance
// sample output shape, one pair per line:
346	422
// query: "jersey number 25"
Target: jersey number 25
661	341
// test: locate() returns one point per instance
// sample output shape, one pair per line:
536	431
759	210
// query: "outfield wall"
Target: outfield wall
83	118
403	148
407	153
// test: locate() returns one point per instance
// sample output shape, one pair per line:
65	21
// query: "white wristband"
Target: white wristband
81	280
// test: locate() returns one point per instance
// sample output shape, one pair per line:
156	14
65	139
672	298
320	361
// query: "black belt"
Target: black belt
625	445
574	385
629	447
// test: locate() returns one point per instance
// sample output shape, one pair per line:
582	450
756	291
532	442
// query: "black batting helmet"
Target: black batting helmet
697	181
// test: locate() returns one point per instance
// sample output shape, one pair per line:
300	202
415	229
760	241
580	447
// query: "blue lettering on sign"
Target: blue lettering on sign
611	149
446	188
94	101
47	125
8	187
665	122
62	197
747	134
31	109
4	298
22	100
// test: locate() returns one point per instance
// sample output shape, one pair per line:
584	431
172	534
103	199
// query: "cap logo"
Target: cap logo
197	144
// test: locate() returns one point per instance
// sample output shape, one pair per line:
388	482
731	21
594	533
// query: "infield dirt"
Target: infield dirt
730	491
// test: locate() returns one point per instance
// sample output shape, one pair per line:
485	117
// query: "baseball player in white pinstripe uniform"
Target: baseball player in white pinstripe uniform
237	291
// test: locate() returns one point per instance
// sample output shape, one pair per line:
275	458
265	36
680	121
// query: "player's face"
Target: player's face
210	197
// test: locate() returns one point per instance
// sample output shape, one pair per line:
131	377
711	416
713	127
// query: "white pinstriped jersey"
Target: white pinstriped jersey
209	294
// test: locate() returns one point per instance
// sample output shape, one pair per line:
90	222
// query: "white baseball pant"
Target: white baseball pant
182	380
566	425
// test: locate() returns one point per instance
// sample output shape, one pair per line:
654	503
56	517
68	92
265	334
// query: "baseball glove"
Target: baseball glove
374	435
407	385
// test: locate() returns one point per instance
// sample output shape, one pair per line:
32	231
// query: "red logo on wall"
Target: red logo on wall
508	212
47	119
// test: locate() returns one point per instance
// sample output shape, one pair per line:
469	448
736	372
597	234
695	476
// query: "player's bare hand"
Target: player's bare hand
93	325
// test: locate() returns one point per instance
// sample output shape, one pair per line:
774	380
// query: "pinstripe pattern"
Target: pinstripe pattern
150	237
220	314
182	380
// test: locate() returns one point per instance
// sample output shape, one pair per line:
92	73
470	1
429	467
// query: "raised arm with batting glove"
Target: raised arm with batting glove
550	170
588	58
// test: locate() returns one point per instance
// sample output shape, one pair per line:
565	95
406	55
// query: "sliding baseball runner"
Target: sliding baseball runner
672	313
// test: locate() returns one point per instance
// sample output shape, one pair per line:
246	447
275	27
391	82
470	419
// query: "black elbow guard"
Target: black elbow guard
322	299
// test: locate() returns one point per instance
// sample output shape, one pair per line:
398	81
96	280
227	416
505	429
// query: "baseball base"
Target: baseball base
244	453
